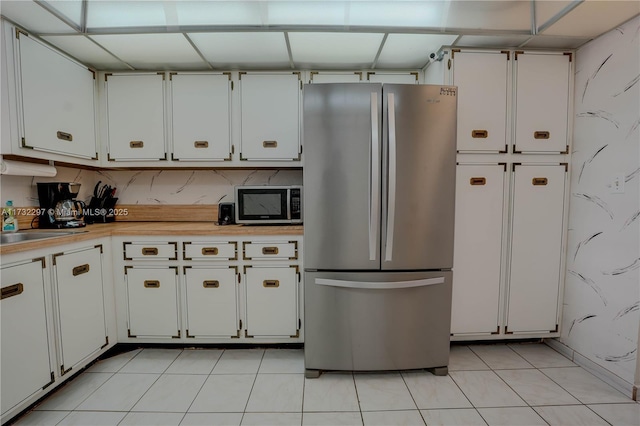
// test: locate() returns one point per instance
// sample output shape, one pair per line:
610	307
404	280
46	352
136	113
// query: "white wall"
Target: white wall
602	290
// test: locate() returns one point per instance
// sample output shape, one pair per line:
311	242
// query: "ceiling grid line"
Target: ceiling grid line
198	51
288	43
559	15
57	14
126	64
375	60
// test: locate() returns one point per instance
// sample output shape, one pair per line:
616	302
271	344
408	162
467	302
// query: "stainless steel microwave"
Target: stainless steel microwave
269	204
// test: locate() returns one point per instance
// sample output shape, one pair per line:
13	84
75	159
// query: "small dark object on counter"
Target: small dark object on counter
102	205
226	214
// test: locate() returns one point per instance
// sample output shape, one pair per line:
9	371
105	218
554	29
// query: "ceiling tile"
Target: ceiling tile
592	18
411	50
215	12
421	14
86	51
556	42
334	50
243	50
492	41
546	10
112	14
306	13
152	51
71	9
34	18
489	15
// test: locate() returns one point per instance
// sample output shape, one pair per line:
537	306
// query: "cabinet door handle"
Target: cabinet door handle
479	134
269	144
82	269
539	181
136	144
269	250
271	283
211	284
210	251
151	284
64	136
541	134
478	181
12	290
149	251
201	144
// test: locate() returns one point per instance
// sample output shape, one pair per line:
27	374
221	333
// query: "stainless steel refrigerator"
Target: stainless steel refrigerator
379	178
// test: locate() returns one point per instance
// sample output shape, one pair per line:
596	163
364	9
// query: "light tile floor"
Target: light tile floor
501	384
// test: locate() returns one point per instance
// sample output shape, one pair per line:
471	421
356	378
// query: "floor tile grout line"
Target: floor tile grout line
413	398
355	387
460	389
594	412
478	356
487	364
566	390
246	405
203	383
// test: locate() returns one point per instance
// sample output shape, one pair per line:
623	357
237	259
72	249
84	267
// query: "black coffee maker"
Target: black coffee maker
58	205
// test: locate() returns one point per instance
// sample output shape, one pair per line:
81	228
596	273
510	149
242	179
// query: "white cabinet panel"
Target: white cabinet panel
270	117
536	247
221	250
153	301
481	78
542	102
477	249
25	346
57	101
272	301
135	108
150	251
394	78
80	305
201	117
212	302
335	77
270	250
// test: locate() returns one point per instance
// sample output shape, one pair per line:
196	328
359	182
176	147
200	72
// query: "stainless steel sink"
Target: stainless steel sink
21	236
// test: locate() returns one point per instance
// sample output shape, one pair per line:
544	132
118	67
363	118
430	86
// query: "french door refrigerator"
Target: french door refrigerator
379	180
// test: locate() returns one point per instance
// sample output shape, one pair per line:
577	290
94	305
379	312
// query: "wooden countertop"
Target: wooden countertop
146	229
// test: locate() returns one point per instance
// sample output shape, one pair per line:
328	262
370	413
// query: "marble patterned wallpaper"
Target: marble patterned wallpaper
602	289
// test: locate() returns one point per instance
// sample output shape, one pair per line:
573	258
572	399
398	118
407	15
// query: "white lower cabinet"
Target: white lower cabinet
26	365
152	295
80	300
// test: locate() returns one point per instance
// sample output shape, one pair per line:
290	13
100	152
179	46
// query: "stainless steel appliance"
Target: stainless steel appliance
58	205
379	180
269	204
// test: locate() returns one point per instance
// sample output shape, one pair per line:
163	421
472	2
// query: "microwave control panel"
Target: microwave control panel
295	203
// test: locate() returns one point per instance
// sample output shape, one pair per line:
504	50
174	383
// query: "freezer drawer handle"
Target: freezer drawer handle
269	250
211	284
210	251
64	136
380	285
136	144
149	251
478	181
269	144
541	135
151	284
201	144
12	290
479	134
271	283
539	181
79	270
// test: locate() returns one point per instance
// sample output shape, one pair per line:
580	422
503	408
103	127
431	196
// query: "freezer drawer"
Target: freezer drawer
377	321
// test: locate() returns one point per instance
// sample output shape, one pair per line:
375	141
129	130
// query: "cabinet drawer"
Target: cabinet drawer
138	250
273	250
220	250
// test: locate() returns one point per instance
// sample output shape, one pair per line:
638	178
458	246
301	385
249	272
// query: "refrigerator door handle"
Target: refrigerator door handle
379	285
391	192
374	178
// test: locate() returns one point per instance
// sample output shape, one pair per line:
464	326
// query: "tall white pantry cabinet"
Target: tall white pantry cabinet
511	194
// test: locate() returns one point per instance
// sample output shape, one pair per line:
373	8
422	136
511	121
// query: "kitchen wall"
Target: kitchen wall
602	289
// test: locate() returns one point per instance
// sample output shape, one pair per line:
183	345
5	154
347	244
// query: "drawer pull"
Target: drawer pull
82	269
541	135
210	251
64	136
151	284
269	250
271	283
136	144
201	144
539	181
269	144
211	284
149	251
479	134
478	181
12	290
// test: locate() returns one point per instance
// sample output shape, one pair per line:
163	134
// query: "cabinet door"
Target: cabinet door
477	248
542	102
482	100
536	247
395	78
153	302
335	77
57	101
201	117
272	301
212	302
135	108
25	345
270	117
80	305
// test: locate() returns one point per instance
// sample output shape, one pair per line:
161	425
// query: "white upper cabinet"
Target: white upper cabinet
481	78
57	97
334	77
393	78
135	116
270	117
201	117
542	102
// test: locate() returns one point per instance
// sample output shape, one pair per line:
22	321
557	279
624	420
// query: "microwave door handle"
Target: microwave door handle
374	179
391	193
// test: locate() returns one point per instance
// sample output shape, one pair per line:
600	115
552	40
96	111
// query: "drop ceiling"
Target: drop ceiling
337	35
